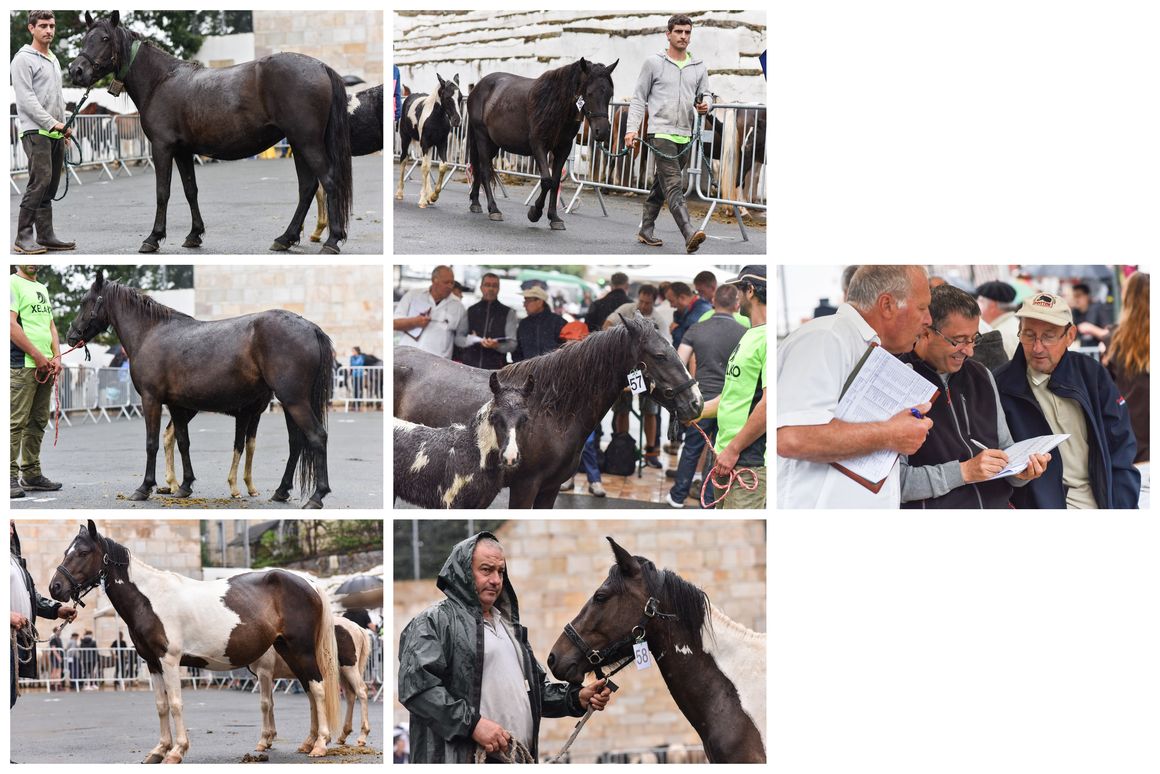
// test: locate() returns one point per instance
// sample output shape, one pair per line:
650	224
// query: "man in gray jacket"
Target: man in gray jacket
670	84
36	81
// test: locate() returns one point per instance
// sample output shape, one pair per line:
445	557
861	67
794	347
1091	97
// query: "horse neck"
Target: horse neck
149	69
556	113
130	321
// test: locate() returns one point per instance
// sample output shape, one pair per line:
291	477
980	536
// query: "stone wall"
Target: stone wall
474	43
345	301
556	565
351	42
167	544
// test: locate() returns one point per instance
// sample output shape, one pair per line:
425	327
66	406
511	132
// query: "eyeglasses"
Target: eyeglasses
1047	339
960	343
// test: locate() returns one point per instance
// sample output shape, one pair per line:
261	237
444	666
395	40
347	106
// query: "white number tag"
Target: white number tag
642	656
580	103
636	382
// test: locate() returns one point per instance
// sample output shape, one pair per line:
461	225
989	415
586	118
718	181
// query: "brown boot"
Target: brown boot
693	235
25	243
647	223
44	235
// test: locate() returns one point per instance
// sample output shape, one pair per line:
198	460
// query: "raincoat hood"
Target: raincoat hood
457	581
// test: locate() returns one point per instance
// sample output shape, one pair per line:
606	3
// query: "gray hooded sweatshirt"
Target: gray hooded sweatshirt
37	81
669	92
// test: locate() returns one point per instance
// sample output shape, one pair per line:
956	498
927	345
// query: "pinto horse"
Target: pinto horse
232	366
228	113
354	647
220	625
536	117
713	666
429	120
576	385
366	137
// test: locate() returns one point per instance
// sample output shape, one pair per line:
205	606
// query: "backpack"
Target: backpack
620	456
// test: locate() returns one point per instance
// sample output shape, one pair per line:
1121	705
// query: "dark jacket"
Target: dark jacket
441	667
538	335
488	321
964	410
40	606
690	318
602	307
1112	446
1134	388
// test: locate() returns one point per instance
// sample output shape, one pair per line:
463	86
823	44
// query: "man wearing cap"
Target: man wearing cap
1045	390
539	332
36	86
885	306
432	319
740	408
995	299
964	448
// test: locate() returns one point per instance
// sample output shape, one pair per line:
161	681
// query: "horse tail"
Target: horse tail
321	391
326	652
338	152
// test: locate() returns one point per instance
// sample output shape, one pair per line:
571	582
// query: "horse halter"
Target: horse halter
668	392
79	590
600	659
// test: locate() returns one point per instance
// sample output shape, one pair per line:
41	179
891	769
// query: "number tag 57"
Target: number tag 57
636	382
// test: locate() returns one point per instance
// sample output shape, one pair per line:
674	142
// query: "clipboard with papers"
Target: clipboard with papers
879	387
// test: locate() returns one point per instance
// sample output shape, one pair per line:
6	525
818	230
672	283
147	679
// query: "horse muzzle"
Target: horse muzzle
81	75
59	588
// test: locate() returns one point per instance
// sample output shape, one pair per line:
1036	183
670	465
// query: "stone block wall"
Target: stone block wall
351	42
556	565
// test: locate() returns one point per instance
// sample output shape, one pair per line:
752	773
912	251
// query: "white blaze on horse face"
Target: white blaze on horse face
511	452
740	655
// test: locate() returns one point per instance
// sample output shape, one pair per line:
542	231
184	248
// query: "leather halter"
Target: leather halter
668	392
79	589
600	659
114	63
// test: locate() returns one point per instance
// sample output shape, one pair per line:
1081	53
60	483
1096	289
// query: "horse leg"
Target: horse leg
264	668
169	671
485	157
403	159
522	494
170	475
307	185
558	161
239	442
163	163
425	194
475	176
161	700
321	222
251	446
151	408
282	493
536	211
314	449
356	690
545	499
315	159
185	168
181	419
444	168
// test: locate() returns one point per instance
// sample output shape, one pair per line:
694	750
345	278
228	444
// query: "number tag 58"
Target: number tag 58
641	655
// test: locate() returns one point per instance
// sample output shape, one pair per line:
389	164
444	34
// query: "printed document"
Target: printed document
1018	454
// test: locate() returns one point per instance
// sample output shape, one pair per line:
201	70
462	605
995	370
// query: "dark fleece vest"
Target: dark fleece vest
965	409
486	321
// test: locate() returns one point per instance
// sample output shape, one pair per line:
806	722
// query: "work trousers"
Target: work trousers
45	162
28	418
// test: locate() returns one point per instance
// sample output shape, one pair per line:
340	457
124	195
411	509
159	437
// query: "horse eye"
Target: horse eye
599	598
660	355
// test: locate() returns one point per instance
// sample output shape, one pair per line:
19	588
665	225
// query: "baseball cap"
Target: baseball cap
1047	307
754	274
536	292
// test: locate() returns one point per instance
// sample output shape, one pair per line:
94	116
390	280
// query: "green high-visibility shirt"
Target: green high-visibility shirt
29	299
745	380
736	316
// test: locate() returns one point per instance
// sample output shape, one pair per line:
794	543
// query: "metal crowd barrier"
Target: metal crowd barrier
358	385
744	124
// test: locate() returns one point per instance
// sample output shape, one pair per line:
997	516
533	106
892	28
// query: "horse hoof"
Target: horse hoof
318	752
495	216
315	237
152	758
312	505
422	205
398	197
253	493
433	198
476	208
139	496
558	225
182	492
534	214
279	497
328	250
279	246
148	247
305	748
172	759
191	243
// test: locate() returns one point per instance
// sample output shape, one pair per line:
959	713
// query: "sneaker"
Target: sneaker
568	485
596	490
671	473
39	483
671	502
16	490
653	461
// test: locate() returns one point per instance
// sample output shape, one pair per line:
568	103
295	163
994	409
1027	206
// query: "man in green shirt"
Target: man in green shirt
672	84
34	351
740	408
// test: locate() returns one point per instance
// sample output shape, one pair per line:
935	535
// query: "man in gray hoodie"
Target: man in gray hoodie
670	84
36	81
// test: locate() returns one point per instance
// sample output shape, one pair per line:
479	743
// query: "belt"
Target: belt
44	132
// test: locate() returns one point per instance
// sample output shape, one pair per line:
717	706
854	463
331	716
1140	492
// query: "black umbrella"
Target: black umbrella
359	583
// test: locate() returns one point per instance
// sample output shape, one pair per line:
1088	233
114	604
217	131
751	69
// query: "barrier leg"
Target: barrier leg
740	223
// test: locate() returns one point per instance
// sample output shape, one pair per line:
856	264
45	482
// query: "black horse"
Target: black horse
535	117
429	120
575	387
230	366
229	113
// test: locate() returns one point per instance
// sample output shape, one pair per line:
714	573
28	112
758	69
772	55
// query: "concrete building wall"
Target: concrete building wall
555	566
351	42
167	544
474	43
345	301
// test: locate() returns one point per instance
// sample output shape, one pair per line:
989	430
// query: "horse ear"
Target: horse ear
493	382
440	77
93	531
629	566
115	18
583	65
100	282
456	79
612	66
88	19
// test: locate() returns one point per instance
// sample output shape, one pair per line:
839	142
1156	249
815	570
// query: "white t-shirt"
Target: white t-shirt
448	324
503	694
813	364
631	308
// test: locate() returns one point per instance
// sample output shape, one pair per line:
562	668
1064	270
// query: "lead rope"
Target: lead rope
735	477
517	752
56	388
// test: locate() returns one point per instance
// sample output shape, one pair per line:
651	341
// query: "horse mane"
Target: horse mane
552	99
139	302
569	371
125	45
678	596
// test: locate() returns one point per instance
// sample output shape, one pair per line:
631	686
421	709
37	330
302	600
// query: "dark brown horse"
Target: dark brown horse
232	366
535	117
220	625
713	666
229	113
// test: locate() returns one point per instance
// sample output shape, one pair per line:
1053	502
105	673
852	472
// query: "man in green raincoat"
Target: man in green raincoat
467	673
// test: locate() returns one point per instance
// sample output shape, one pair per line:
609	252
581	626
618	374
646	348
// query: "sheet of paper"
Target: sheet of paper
883	387
1018	455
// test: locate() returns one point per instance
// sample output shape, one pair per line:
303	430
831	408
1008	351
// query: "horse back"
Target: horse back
500	105
433	391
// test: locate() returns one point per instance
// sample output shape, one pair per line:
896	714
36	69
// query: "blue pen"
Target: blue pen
916	413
